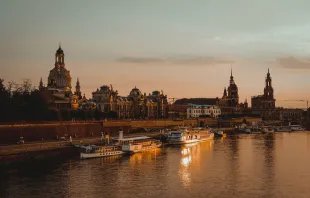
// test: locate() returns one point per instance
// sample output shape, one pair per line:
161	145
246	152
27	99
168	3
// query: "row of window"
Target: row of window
197	116
205	111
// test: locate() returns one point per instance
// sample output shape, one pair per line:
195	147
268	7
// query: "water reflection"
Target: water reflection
266	165
269	165
191	160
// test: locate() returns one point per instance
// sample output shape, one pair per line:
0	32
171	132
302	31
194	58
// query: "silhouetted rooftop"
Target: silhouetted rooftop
197	101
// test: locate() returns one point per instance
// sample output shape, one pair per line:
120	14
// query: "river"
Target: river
262	165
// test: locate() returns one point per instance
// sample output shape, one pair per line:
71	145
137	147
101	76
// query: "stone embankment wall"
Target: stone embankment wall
10	134
48	132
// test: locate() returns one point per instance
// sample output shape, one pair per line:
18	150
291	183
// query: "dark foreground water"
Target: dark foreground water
276	165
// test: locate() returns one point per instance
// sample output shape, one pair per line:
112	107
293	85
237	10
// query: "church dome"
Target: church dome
135	92
156	93
104	88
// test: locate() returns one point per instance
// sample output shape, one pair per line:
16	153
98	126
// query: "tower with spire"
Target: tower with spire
268	90
60	57
78	89
233	91
265	104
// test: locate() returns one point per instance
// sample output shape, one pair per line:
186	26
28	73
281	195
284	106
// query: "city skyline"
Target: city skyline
157	46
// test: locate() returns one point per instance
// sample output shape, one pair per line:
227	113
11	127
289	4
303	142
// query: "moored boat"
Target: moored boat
283	129
267	130
297	128
186	136
218	133
94	151
136	144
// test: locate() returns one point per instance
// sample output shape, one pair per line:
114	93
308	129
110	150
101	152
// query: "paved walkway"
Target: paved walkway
48	145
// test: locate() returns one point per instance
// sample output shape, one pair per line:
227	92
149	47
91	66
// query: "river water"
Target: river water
262	165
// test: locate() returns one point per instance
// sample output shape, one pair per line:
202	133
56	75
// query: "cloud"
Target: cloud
177	60
139	60
293	63
203	61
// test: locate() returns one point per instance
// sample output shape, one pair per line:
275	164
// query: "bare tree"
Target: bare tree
27	86
11	87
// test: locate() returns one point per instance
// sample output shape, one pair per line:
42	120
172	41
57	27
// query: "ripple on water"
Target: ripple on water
241	166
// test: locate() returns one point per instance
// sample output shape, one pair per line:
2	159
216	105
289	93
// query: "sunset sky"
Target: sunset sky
185	48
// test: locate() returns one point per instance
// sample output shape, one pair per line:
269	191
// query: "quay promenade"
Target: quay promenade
53	131
13	149
50	145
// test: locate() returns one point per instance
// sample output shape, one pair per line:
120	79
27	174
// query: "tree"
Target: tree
4	102
2	87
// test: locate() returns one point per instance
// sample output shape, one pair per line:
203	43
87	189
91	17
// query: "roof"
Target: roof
59	51
198	101
134	138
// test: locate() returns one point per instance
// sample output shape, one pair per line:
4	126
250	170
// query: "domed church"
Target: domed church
59	77
59	86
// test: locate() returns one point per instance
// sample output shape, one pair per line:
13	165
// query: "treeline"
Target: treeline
24	103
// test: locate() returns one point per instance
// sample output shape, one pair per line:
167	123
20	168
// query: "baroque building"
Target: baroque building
264	105
136	105
58	87
229	103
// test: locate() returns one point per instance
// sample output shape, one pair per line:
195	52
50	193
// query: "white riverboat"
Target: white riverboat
267	130
136	144
94	151
186	136
297	128
283	129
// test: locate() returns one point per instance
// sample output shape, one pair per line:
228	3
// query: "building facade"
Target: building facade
134	106
228	103
264	105
293	114
177	111
196	111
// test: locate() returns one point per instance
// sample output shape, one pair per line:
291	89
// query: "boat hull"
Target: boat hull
174	142
139	148
97	155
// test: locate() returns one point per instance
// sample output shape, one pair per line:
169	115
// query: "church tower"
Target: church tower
268	91
59	57
233	91
78	89
59	77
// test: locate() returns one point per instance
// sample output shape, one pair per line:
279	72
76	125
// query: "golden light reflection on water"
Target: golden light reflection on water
145	156
110	159
191	160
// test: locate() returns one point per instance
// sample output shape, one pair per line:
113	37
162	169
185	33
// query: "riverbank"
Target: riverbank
17	156
55	131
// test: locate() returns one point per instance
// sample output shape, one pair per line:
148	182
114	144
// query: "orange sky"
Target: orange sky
185	49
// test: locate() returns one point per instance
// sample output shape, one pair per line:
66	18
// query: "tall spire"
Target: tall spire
41	84
231	76
78	89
